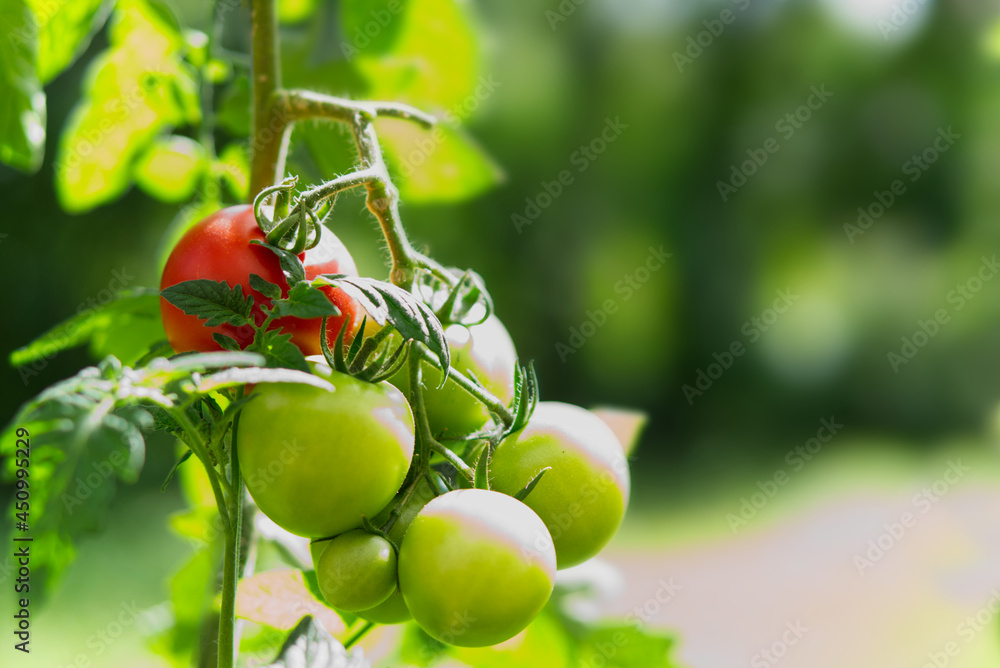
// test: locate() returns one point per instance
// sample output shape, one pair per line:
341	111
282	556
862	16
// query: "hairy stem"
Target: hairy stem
267	127
486	397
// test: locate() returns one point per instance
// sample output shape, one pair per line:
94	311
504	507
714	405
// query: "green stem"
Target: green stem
454	460
231	562
361	633
486	397
267	127
198	447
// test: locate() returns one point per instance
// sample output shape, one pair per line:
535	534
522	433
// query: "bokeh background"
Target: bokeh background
887	324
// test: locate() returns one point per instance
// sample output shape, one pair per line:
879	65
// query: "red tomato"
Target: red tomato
219	249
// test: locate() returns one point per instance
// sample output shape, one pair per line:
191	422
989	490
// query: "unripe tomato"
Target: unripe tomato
357	571
582	499
218	249
476	567
315	461
483	351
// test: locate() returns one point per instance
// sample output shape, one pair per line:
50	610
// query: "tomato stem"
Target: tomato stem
269	129
357	636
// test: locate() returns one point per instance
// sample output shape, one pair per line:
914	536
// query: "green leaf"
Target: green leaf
523	494
386	302
170	168
140	303
279	598
305	301
212	301
233	114
525	397
22	101
443	164
278	350
64	31
295	11
626	423
135	90
265	287
434	60
309	645
290	263
191	592
371	26
225	342
233	166
627	646
80	443
235	377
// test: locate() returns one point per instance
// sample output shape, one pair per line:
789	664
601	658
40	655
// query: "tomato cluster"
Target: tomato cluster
396	537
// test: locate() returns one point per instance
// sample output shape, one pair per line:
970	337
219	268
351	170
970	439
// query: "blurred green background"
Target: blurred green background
694	90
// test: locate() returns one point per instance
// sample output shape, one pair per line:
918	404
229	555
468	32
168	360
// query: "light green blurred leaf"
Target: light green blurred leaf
233	166
64	31
170	168
141	303
371	26
443	164
22	101
233	113
295	11
627	646
544	644
434	61
135	90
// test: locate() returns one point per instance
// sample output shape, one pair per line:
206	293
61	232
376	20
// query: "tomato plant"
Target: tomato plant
412	461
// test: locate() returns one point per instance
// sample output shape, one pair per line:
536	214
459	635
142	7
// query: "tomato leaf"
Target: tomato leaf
305	301
226	342
22	100
141	303
170	168
64	31
386	302
265	287
134	90
278	349
525	397
235	377
279	598
309	645
442	164
212	301
291	265
523	494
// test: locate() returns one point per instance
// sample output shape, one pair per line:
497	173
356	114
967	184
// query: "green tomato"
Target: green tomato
476	567
392	611
357	571
582	498
316	461
485	352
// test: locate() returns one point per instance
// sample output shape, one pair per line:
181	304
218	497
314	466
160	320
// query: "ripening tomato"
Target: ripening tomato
475	567
483	351
218	249
582	498
316	460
